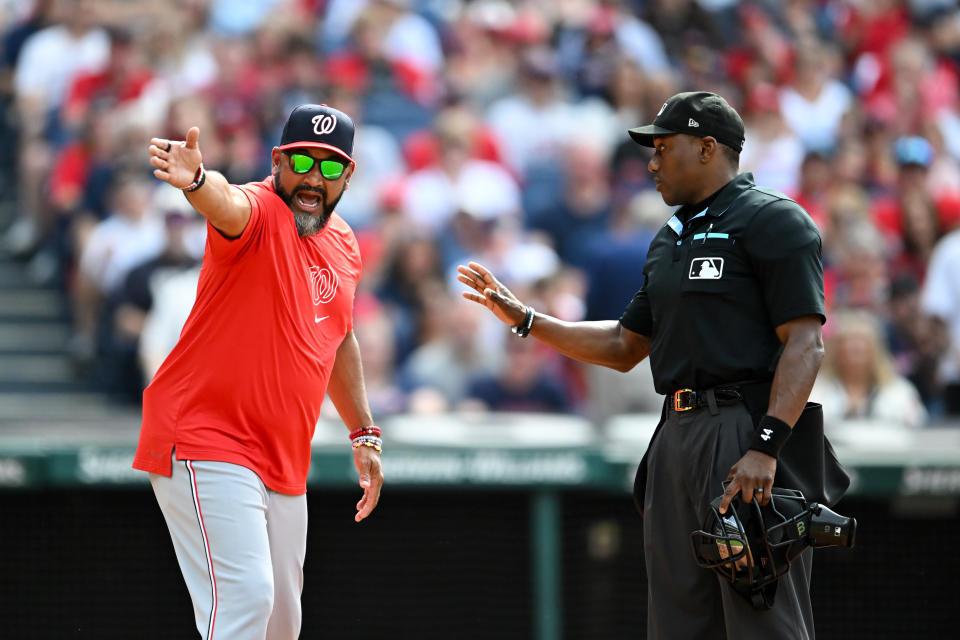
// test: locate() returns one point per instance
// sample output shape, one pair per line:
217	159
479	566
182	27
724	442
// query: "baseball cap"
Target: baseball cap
913	150
696	113
319	126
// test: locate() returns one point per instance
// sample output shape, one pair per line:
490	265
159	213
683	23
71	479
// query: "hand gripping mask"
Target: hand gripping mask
753	546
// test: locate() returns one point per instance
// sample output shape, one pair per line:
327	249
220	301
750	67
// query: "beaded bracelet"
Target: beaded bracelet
366	431
369	441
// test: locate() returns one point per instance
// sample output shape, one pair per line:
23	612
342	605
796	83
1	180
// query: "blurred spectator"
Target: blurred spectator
379	356
521	384
238	17
771	150
454	350
916	341
411	269
173	299
538	123
481	62
52	58
180	50
913	214
131	234
814	182
126	310
858	379
49	60
816	102
857	277
120	82
458	180
941	300
584	210
683	25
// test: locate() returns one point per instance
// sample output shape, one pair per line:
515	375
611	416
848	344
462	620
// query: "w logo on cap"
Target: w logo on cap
324	124
693	123
318	126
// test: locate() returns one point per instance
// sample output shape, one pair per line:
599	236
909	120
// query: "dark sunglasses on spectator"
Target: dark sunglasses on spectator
329	169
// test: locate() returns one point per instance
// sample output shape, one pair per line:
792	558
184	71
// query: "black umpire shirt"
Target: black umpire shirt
718	282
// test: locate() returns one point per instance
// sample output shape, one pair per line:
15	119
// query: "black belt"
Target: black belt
753	393
687	399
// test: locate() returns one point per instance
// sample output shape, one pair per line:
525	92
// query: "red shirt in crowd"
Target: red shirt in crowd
245	382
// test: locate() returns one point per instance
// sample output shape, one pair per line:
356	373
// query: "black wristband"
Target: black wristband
771	434
523	329
198	179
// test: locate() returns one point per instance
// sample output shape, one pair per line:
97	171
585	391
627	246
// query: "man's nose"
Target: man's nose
313	177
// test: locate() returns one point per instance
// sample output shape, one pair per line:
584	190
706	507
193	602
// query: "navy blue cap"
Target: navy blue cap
319	126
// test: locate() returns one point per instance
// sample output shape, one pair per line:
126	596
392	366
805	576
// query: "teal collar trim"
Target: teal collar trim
675	225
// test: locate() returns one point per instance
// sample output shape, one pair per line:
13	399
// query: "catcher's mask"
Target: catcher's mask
753	546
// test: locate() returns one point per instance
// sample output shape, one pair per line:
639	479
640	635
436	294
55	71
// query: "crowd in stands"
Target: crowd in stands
493	131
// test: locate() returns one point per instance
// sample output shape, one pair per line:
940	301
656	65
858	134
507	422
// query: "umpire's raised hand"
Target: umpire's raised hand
176	161
491	293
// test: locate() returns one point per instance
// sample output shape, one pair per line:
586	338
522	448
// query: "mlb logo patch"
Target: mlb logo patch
706	268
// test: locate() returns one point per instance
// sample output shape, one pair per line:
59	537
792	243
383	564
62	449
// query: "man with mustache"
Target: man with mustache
229	417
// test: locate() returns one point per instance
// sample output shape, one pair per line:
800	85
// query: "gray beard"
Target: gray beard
307	224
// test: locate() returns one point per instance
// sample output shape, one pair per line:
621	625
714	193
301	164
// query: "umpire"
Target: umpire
730	314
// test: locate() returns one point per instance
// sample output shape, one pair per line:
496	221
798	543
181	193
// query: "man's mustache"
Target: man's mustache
318	190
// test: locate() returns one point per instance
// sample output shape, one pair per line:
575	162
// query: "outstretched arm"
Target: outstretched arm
349	396
178	162
604	342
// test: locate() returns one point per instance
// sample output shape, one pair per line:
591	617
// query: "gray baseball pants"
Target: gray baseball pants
688	460
240	547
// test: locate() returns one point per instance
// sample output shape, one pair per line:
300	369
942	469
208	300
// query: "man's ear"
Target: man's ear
346	179
275	159
708	148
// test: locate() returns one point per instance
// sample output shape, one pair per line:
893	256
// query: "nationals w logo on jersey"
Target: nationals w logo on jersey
324	124
323	284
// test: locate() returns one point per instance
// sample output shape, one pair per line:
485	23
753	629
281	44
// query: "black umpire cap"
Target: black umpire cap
696	113
319	126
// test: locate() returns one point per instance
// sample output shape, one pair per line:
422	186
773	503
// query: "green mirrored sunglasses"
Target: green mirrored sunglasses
329	169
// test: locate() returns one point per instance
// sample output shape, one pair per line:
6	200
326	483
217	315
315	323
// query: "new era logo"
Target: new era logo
706	268
693	123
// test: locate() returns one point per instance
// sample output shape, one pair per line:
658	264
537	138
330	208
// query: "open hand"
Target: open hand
367	461
176	161
489	292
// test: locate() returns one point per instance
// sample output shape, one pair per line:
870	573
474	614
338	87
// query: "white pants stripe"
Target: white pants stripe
206	549
240	547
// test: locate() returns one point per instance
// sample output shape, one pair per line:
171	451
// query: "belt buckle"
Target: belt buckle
679	398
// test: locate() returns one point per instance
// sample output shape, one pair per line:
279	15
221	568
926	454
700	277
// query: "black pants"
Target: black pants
688	460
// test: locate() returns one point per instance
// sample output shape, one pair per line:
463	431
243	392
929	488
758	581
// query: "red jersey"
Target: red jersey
245	382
